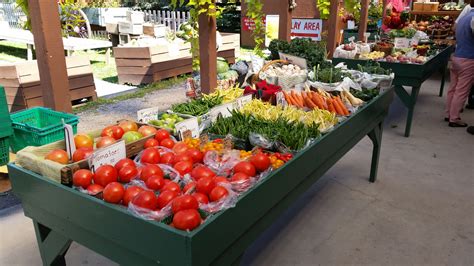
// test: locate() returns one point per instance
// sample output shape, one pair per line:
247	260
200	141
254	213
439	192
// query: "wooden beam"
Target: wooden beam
50	54
364	16
208	52
333	34
284	31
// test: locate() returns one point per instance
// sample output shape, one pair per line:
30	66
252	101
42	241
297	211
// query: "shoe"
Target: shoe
458	123
470	130
446	119
470	106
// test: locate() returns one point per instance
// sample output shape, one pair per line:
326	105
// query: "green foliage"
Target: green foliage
375	11
102	3
329	75
72	22
324	8
23	5
353	7
314	52
255	13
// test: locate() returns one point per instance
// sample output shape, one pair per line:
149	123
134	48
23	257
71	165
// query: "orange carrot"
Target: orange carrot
297	100
316	100
344	108
286	97
337	107
308	101
330	106
293	102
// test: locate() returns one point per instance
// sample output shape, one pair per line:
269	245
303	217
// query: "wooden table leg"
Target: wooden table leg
443	79
107	56
29	52
52	245
376	136
409	100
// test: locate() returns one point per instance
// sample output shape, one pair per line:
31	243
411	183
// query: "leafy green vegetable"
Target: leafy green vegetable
372	67
314	52
329	75
365	94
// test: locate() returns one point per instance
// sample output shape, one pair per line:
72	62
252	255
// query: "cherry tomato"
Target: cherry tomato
167	158
205	185
105	174
59	156
162	134
187	219
81	154
182	158
239	177
220	179
171	186
246	168
202	171
201	198
168	143
151	143
146	199
195	154
94	190
124	162
189	186
155	182
150	155
130	193
113	192
184	167
180	148
127	173
82	178
149	170
260	161
218	193
166	197
184	202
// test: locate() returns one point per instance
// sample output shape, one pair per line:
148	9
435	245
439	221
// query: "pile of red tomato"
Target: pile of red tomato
170	176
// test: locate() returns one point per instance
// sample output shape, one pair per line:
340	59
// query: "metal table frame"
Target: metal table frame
61	214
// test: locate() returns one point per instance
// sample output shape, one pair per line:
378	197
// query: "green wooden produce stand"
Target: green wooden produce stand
5	129
411	75
61	214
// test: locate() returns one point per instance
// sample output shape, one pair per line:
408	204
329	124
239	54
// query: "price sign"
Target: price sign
402	43
69	139
190	125
244	100
228	143
224	110
108	155
146	115
280	99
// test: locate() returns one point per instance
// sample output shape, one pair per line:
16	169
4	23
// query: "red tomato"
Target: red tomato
182	158
162	134
150	155
167	181
184	167
151	143
105	174
83	141
149	170
127	173
124	162
155	182
218	193
205	185
187	219
167	158
201	198
189	186
166	197
115	132
220	179
147	130
184	202
260	161
104	142
82	178
113	192
171	186
202	171
168	143
180	148
81	154
130	193
95	189
246	168
59	156
195	154
127	125
146	199
239	177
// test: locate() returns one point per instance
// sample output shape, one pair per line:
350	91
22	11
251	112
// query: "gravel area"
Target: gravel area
107	114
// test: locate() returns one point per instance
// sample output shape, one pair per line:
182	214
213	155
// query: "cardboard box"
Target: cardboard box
130	28
136	17
112	28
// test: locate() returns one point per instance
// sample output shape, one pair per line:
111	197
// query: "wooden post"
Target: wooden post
208	52
333	34
284	32
364	15
50	54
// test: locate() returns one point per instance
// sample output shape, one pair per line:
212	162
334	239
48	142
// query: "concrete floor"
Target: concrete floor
420	210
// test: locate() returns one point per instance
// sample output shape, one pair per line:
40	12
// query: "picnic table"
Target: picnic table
71	44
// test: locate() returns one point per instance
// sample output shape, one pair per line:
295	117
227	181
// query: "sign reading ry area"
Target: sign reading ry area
306	28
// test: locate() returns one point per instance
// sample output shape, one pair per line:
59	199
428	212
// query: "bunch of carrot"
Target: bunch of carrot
313	100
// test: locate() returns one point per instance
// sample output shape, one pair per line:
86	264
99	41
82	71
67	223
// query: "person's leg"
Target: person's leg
453	83
463	85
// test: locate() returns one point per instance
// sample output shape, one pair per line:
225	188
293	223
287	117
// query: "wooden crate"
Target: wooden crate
23	87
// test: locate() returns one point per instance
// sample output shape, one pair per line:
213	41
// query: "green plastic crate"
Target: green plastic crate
5	121
39	126
4	151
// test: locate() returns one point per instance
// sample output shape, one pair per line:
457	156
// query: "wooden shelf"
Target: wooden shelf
437	13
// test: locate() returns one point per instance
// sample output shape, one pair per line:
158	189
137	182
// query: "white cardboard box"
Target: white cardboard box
136	17
130	28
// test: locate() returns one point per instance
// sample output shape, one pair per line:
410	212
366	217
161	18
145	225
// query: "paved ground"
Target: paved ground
420	210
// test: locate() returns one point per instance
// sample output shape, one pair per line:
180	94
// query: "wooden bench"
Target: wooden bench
23	87
143	65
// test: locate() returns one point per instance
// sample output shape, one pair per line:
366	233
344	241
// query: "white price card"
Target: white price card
108	155
146	115
402	43
190	124
241	101
224	110
69	139
280	99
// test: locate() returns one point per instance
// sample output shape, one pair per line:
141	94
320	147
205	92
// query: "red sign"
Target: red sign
248	24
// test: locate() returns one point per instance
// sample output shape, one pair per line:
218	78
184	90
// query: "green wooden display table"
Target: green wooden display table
61	214
410	75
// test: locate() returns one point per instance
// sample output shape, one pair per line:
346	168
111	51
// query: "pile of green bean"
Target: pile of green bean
197	107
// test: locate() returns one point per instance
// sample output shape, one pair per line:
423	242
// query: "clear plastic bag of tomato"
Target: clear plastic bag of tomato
223	164
222	197
147	214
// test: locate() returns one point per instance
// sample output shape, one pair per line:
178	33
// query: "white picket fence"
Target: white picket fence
172	19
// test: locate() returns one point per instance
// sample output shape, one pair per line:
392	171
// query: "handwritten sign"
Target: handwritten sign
69	139
402	43
242	101
306	28
108	155
249	25
295	60
146	115
191	125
